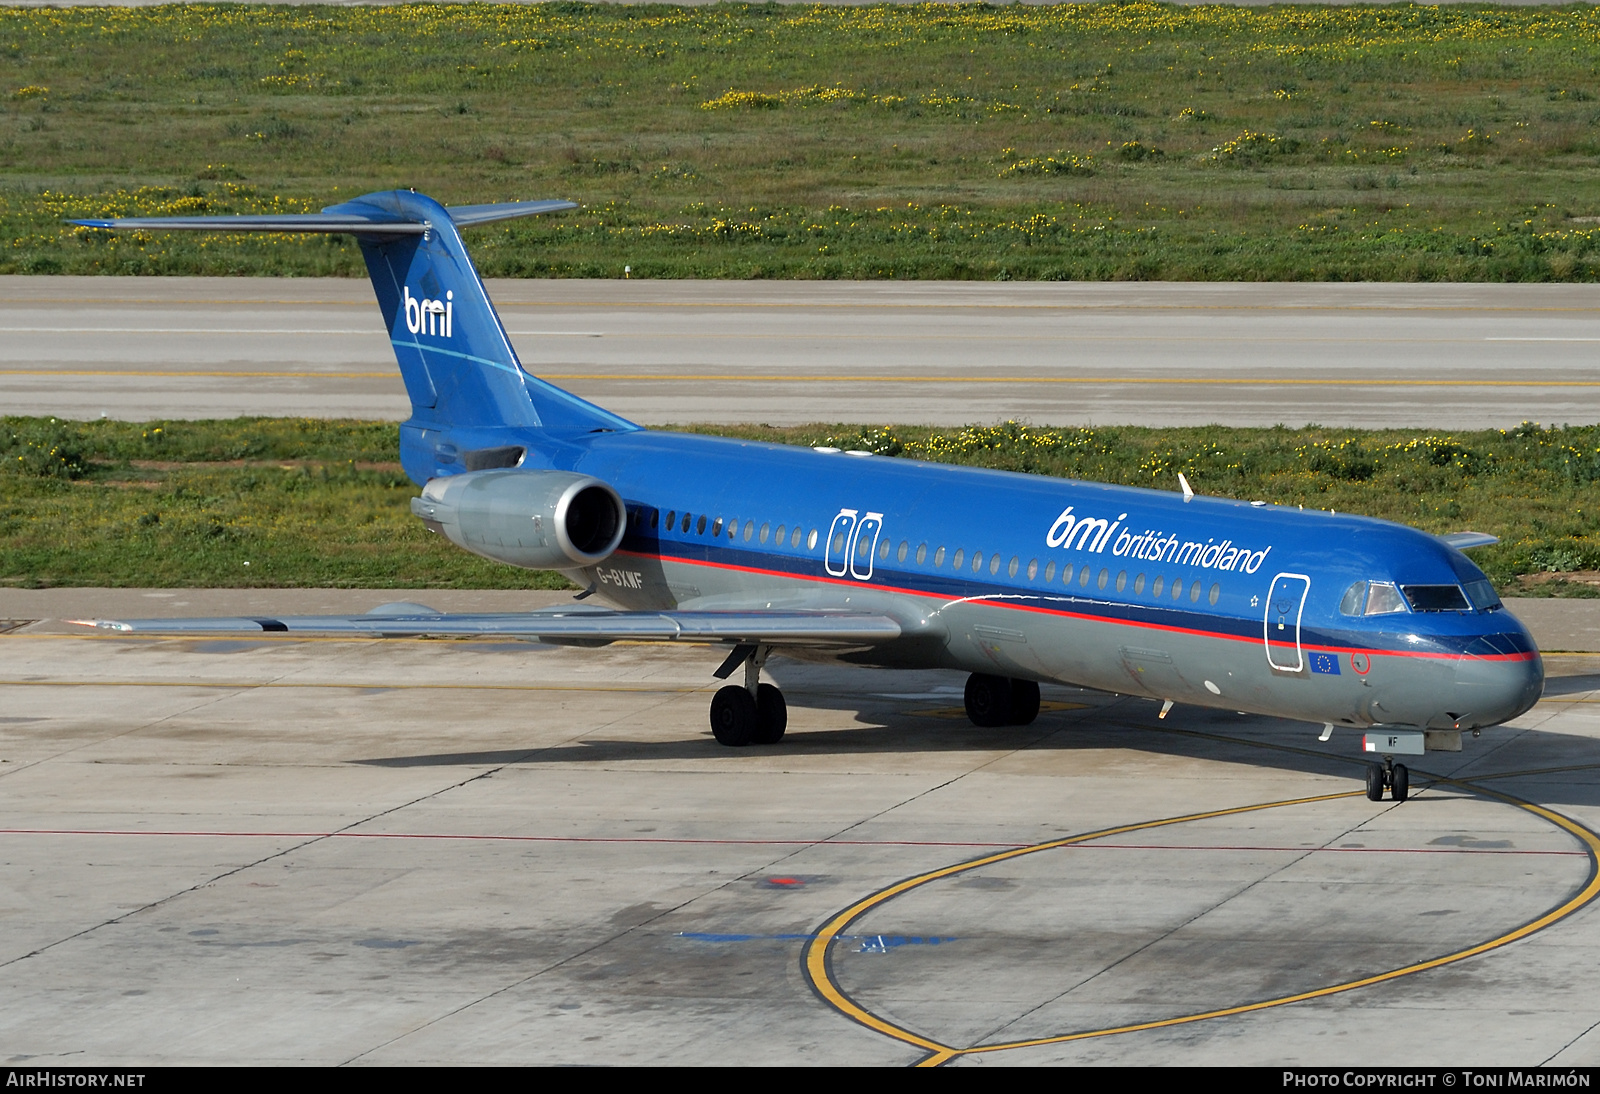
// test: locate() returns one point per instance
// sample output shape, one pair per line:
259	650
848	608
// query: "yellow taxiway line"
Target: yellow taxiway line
817	962
838	378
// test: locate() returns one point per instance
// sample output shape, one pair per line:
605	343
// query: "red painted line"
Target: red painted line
775	843
492	838
1063	612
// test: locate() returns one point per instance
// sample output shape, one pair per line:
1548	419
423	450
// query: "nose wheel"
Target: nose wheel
1391	776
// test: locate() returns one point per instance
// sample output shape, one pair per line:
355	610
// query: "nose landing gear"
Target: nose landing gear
1391	775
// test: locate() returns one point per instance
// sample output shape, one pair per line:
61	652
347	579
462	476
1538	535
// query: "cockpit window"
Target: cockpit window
1383	598
1355	599
1436	598
1482	595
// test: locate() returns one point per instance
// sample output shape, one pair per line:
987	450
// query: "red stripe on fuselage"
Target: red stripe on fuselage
1039	609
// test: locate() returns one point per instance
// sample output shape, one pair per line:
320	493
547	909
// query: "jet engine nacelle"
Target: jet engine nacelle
543	520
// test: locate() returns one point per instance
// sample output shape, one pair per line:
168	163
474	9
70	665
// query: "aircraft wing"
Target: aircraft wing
582	626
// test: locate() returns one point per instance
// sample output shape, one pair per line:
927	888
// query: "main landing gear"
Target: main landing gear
1001	701
1388	774
752	713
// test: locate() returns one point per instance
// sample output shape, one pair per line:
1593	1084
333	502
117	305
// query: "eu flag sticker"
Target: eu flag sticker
1325	662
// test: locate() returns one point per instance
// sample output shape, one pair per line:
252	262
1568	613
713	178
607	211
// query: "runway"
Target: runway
945	353
477	852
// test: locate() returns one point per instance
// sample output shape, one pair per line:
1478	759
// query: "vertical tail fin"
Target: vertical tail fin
457	362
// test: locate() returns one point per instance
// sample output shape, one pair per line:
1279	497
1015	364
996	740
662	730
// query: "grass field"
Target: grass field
301	502
1114	140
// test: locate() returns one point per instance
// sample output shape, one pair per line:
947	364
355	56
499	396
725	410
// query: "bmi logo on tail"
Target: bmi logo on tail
424	316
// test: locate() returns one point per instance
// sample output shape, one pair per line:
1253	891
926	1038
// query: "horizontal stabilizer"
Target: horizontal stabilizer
353	218
285	222
788	628
1465	541
465	216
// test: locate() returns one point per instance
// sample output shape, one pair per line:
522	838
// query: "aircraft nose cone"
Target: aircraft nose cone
1490	690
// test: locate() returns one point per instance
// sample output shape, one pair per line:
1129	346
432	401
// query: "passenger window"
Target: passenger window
1177	588
1083	577
700	527
777	537
811	540
922	553
863	549
1383	598
1049	572
1355	599
960	557
1122	580
794	540
938	558
766	530
655	519
1033	568
905	549
1138	585
838	542
1194	593
1066	573
749	530
672	519
716	528
1155	589
1216	594
994	564
1011	570
883	549
1105	577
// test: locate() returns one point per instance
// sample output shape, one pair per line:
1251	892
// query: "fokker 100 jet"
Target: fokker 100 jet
1015	579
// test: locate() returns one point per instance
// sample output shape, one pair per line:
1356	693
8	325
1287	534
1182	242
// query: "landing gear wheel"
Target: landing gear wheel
1400	783
1375	782
734	717
1024	702
988	700
772	716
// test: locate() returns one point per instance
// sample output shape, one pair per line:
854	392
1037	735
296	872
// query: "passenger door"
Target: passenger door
1281	624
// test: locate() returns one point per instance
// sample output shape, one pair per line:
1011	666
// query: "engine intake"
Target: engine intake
541	520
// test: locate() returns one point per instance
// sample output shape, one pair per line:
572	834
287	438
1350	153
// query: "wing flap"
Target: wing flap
819	628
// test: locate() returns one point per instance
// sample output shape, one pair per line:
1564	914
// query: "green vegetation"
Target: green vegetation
242	503
322	503
1118	140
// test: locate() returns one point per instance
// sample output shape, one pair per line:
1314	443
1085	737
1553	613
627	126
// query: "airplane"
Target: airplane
1014	579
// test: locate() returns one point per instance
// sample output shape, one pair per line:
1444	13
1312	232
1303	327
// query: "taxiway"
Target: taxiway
945	353
479	852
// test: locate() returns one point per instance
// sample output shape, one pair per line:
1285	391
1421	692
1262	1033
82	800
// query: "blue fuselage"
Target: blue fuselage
1202	600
